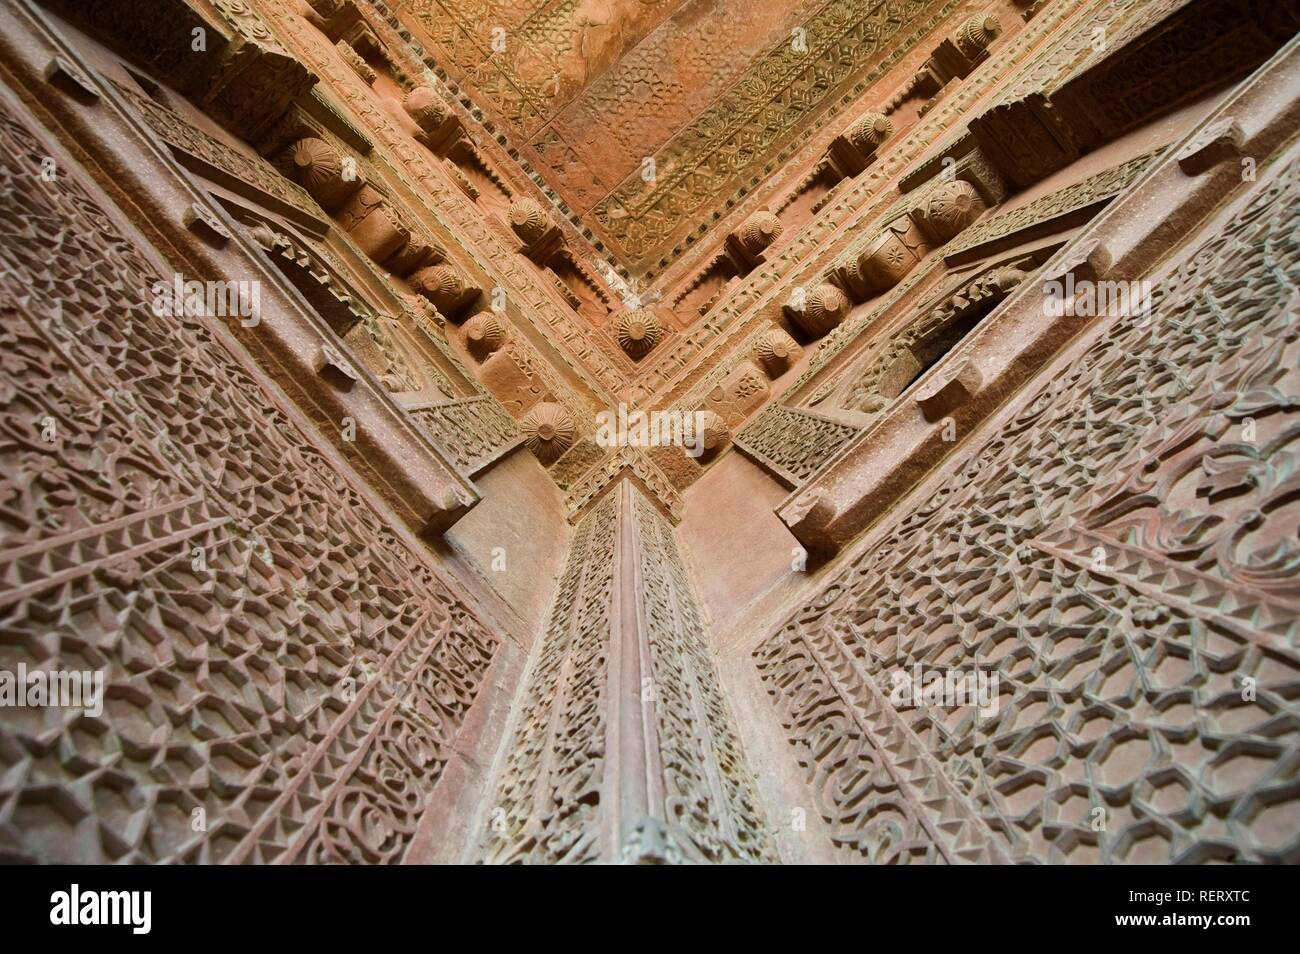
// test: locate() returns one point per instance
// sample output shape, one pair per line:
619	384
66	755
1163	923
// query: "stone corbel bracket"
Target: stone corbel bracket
1125	243
538	236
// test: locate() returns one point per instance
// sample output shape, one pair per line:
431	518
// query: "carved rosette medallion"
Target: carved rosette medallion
637	331
548	431
950	208
714	434
759	231
484	334
318	167
977	33
528	219
825	307
869	131
776	352
442	286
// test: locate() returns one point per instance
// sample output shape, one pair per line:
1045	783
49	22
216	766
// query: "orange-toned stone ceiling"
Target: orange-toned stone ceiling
651	119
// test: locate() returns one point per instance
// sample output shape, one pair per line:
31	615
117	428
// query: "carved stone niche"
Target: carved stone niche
1201	46
320	285
820	310
539	237
313	116
444	287
367	44
579	286
745	246
961	159
439	127
855	149
258	81
831	507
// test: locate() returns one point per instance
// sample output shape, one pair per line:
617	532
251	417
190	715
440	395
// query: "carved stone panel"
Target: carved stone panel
271	643
1120	553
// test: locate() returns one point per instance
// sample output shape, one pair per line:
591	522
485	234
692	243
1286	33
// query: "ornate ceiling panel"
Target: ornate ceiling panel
651	120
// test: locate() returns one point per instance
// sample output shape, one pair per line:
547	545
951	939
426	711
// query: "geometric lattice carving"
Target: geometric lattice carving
793	442
475	431
278	661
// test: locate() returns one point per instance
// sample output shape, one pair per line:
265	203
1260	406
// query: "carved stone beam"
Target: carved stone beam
221	55
1211	42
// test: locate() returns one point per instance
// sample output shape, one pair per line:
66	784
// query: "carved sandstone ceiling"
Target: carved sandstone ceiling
651	119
